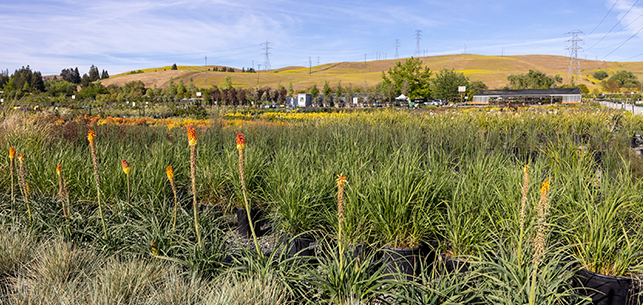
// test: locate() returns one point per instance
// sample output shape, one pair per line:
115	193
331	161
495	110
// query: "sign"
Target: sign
73	97
198	94
462	89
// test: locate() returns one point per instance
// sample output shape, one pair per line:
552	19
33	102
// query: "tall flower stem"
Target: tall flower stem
241	146
192	141
127	169
542	208
61	189
523	206
92	145
22	179
12	166
341	183
170	176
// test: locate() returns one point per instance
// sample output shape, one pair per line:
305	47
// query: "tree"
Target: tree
583	89
264	98
92	90
36	82
227	83
475	87
623	77
84	82
610	86
291	91
349	95
104	75
445	85
533	80
600	75
70	75
174	67
326	90
412	70
338	92
314	91
94	75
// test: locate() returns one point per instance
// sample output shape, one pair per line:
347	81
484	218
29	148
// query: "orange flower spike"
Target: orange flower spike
12	153
126	168
241	141
341	180
59	168
21	157
170	173
191	136
90	137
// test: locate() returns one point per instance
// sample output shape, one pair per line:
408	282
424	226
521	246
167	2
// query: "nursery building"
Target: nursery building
528	96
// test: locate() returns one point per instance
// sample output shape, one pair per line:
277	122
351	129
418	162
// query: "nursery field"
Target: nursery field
541	205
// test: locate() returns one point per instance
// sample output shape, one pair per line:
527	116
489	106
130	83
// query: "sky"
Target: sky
124	35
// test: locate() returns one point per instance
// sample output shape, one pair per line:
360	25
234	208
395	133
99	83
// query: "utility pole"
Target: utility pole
418	36
310	66
574	65
266	49
397	46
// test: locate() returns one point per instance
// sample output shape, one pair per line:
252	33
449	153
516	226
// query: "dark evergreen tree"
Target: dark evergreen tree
37	84
94	75
77	78
84	83
104	75
174	67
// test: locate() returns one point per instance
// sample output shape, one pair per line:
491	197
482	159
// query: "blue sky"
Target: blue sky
120	36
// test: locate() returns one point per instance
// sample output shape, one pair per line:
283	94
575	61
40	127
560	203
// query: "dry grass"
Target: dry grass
492	70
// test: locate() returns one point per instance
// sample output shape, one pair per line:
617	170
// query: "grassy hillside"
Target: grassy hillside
492	70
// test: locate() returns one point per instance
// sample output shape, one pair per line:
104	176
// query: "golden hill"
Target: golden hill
492	70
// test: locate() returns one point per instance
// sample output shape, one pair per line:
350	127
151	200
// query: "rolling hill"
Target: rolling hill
492	70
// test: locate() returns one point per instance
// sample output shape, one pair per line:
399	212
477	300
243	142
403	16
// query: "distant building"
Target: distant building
304	100
529	96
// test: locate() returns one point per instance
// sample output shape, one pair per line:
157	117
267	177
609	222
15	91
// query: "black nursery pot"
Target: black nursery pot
243	225
606	290
302	245
452	265
402	260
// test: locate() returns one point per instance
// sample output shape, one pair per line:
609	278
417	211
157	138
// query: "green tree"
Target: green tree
475	87
94	75
314	91
601	75
227	82
291	91
583	89
610	85
104	75
445	85
339	91
174	67
326	90
533	80
622	78
171	88
417	75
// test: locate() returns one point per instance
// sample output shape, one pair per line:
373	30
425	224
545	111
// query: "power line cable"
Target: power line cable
624	42
590	33
617	23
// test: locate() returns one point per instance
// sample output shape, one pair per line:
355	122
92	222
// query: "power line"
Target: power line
617	23
624	42
590	33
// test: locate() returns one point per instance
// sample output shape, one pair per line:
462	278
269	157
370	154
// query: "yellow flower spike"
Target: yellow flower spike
544	186
192	140
12	153
170	173
126	168
90	137
341	180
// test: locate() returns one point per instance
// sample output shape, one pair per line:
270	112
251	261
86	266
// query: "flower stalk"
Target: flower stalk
542	208
192	142
91	135
22	180
127	169
170	176
241	146
12	166
341	183
63	196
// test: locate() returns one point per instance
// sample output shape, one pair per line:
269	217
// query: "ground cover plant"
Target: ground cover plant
522	199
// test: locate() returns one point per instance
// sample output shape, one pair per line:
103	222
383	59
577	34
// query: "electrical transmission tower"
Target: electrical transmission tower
574	65
397	46
418	36
266	49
